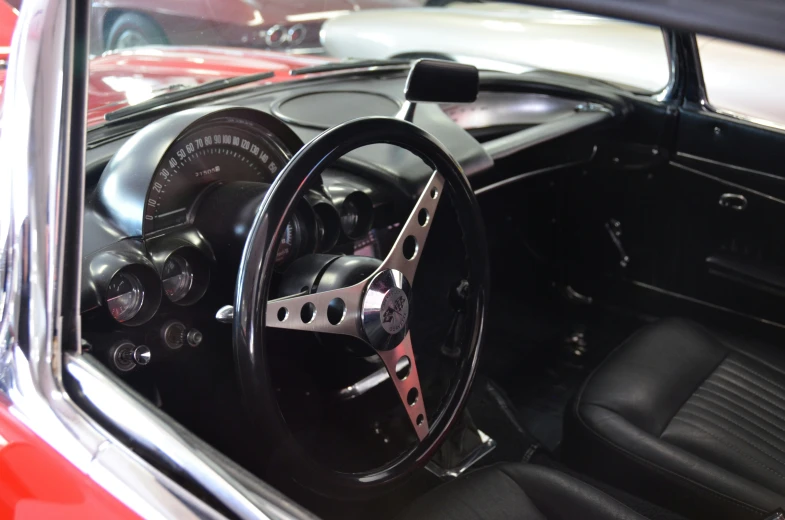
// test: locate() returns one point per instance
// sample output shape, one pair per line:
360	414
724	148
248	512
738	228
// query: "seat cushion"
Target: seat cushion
688	418
517	492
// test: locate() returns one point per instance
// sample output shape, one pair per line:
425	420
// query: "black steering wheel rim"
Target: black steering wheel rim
253	286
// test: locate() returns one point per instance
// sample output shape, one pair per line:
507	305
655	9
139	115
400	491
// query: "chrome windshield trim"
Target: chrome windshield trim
669	92
39	318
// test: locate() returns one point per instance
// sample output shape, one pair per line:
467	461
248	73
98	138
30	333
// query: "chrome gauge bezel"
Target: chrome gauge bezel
147	282
199	274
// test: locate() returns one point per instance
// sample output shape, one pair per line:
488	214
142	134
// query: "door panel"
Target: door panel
705	224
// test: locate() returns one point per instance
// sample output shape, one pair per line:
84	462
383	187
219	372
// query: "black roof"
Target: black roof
759	22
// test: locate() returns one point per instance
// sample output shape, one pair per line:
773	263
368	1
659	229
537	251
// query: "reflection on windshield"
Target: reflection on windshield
142	48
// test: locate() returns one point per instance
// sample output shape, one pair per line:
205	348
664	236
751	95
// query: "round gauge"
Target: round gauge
223	151
124	296
177	278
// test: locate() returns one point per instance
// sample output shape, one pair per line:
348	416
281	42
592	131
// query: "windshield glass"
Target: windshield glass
143	48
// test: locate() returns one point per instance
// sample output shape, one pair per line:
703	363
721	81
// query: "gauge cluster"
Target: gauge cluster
167	222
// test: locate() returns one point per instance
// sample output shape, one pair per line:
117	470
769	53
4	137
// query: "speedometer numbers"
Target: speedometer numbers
207	155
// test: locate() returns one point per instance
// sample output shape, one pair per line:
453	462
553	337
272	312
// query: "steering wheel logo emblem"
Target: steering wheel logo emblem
394	311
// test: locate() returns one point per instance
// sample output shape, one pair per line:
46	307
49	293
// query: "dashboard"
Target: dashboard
170	201
166	224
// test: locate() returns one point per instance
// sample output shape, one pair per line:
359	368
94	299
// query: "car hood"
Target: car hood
8	17
128	77
125	78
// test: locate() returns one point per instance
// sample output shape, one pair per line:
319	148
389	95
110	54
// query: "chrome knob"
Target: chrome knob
142	355
194	337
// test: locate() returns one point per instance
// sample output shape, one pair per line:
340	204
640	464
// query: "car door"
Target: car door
700	225
728	177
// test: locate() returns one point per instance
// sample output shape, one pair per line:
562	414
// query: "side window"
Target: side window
744	80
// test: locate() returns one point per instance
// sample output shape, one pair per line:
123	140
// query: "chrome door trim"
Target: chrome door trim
42	86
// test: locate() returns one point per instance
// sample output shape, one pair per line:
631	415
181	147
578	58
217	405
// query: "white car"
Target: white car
519	38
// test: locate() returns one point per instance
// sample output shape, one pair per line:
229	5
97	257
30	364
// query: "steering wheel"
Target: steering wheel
376	310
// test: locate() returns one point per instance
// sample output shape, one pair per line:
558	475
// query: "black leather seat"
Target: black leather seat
687	418
517	492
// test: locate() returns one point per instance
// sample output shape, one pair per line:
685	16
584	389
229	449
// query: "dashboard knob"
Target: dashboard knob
173	333
194	337
142	355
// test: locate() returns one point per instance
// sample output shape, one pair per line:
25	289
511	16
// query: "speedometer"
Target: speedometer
222	151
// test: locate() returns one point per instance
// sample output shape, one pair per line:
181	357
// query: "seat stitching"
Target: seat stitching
745	401
738	392
753	372
752	382
701	488
729	445
734	412
729	432
731	381
692	392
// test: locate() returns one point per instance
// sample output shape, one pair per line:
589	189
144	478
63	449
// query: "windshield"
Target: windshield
143	48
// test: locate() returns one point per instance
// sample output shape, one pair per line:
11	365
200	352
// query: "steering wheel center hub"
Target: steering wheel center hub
385	309
395	310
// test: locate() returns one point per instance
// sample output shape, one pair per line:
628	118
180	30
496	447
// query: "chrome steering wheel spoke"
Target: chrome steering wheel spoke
407	250
407	383
332	312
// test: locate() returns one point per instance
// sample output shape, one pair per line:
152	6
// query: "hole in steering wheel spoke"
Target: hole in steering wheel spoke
420	419
410	247
336	311
283	313
434	192
403	367
308	312
412	396
423	217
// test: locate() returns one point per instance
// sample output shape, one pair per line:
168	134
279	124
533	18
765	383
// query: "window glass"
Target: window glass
744	80
141	49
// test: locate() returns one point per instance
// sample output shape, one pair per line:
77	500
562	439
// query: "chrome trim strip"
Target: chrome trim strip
727	165
726	182
154	432
669	93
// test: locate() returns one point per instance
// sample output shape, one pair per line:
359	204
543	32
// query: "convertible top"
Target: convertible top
759	22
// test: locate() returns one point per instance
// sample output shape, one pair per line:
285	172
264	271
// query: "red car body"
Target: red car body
120	79
37	482
245	23
8	16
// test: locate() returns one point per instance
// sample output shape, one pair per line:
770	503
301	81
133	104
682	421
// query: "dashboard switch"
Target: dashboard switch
122	356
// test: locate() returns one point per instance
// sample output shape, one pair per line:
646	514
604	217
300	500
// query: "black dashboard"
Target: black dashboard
170	201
